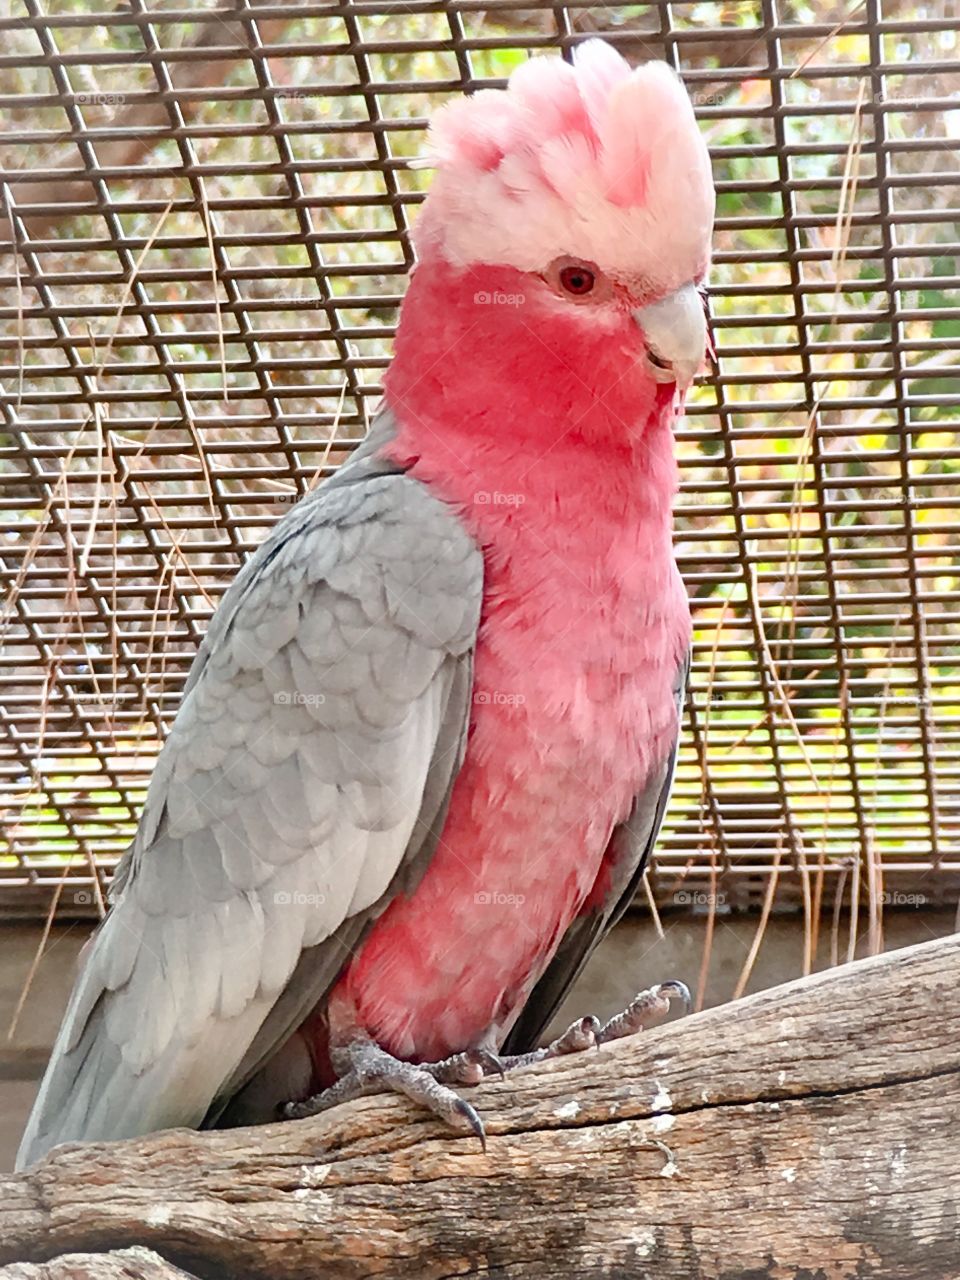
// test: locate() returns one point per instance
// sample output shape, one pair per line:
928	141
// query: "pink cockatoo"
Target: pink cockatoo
426	745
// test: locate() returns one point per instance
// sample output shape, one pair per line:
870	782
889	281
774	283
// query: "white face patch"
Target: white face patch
595	162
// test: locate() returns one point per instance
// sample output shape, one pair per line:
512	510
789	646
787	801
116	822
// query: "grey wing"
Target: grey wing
302	783
627	855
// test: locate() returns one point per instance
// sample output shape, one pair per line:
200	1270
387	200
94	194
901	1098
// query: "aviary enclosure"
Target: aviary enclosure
203	246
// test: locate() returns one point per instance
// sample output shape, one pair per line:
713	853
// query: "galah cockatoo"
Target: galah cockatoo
427	742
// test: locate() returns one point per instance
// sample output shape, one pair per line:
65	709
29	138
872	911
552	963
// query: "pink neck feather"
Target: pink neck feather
493	395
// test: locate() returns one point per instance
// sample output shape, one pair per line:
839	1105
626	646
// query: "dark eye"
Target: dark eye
577	280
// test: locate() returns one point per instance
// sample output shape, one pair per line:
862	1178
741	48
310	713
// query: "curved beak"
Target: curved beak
675	332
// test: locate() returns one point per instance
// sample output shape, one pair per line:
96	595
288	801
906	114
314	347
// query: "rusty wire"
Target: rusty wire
204	242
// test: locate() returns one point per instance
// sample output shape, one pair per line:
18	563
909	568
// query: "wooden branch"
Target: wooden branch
127	1264
808	1131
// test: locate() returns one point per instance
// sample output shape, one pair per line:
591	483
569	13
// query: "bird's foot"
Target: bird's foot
366	1068
580	1035
590	1032
644	1008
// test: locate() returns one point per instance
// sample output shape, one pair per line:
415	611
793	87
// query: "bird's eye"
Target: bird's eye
577	280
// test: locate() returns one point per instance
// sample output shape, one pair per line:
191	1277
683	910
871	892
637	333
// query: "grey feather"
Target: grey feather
630	847
299	995
303	784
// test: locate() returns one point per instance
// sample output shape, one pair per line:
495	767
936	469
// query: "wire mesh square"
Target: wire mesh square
203	246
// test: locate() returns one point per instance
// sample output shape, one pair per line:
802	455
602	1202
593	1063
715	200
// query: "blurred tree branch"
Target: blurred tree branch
131	151
742	48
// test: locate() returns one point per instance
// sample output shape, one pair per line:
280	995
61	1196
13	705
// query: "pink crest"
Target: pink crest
593	160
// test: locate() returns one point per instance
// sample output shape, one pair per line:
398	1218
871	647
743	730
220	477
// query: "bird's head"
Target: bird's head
581	199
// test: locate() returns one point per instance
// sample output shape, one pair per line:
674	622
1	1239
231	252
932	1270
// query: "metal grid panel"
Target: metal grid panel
205	221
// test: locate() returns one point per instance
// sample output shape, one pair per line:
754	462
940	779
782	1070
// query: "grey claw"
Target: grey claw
591	1025
679	989
476	1124
490	1062
578	1036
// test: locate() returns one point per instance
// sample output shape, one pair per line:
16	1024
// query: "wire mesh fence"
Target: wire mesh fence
203	244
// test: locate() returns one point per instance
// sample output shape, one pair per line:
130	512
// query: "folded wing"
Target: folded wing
303	782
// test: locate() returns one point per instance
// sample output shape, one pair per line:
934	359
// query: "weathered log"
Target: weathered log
126	1264
804	1132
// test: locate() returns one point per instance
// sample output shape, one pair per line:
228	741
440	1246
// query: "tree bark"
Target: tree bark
127	1264
805	1133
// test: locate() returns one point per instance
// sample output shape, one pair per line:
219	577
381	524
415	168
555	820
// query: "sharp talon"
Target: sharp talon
476	1124
646	1008
590	1028
581	1035
373	1070
303	1109
678	989
465	1068
490	1062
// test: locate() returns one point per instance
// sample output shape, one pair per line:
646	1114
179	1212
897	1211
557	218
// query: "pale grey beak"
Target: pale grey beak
675	331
